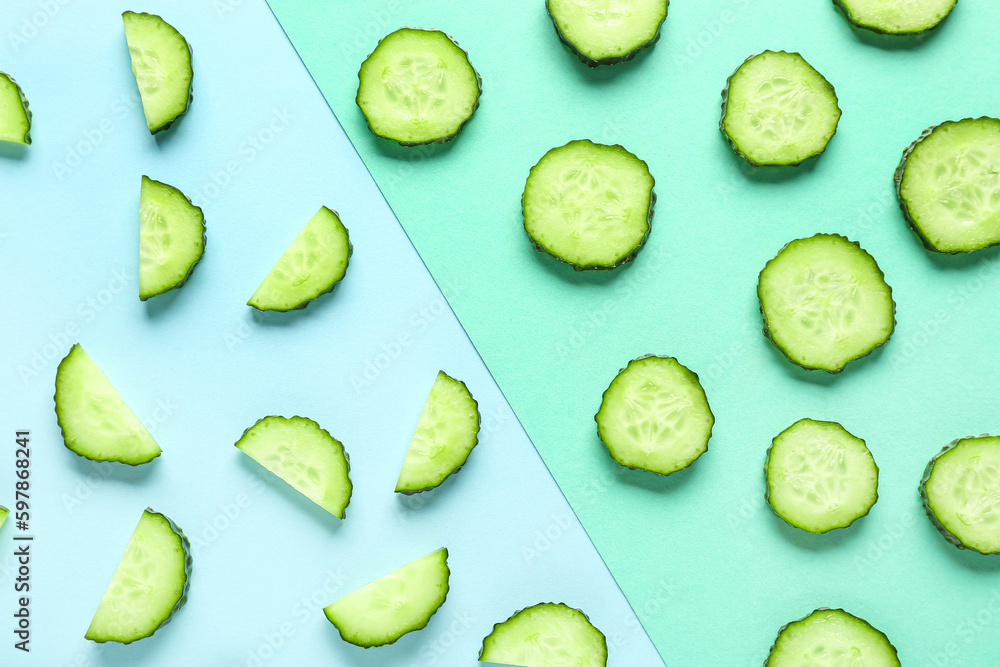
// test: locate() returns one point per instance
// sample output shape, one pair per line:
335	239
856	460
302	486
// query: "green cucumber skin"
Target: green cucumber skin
169	123
24	104
439	140
204	244
590	62
847	13
774	646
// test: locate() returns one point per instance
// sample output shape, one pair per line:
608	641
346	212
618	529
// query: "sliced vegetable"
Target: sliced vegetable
825	302
778	110
961	493
655	416
171	238
948	183
896	17
418	87
149	586
606	32
304	455
3	515
589	205
546	635
402	601
96	422
15	117
161	63
831	637
446	433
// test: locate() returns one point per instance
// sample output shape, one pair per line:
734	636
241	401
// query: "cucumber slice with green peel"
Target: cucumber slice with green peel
96	422
447	432
654	416
896	17
948	185
161	63
15	117
3	516
171	238
825	302
778	110
305	456
418	87
819	476
961	493
401	602
589	205
831	638
149	586
607	32
312	266
546	635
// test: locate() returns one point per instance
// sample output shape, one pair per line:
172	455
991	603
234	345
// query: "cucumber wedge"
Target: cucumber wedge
654	416
607	32
149	586
305	456
778	110
546	635
3	516
589	205
825	302
896	17
418	87
961	493
819	476
313	265
447	432
96	423
947	184
402	601
171	238
161	63
15	117
831	638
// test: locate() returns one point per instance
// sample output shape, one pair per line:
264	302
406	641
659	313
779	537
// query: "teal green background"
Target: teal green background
733	573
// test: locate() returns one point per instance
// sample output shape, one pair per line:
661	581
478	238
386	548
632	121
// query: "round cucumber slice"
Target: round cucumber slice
589	205
447	432
819	476
831	638
418	87
825	302
778	110
961	493
161	63
312	266
96	422
171	238
947	184
401	602
607	32
896	17
15	117
654	416
149	586
546	635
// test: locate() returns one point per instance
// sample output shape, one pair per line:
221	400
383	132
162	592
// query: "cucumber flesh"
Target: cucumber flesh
171	238
96	422
3	515
149	586
896	17
418	87
606	32
546	635
825	302
589	205
402	601
778	110
961	493
820	477
447	432
161	63
831	638
948	184
305	456
313	265
15	117
655	416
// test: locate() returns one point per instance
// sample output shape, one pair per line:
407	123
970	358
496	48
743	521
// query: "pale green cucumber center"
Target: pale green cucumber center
3	515
898	16
963	491
161	62
608	29
171	237
14	122
546	635
832	638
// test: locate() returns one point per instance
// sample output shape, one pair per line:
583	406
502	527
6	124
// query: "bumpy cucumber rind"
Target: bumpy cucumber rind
774	646
166	125
24	105
560	605
204	243
857	23
615	60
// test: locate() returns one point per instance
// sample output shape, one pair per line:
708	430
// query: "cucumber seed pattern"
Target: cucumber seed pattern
298	265
654	415
605	13
416	85
969	187
977	495
588	197
154	233
826	304
779	109
818	474
150	73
